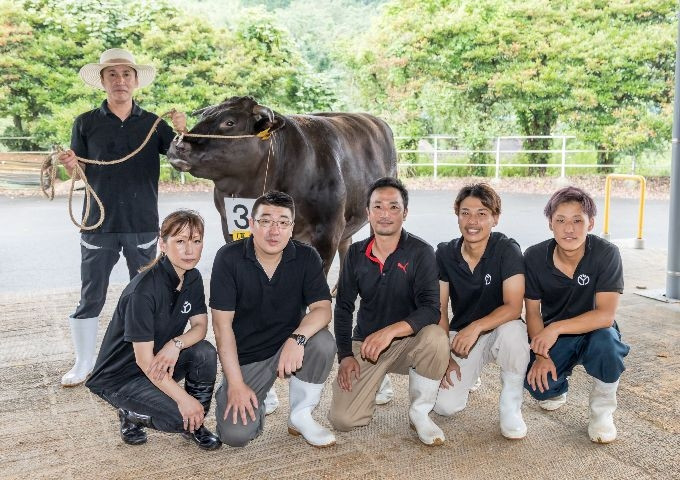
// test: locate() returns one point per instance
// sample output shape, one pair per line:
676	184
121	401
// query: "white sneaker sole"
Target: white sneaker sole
553	403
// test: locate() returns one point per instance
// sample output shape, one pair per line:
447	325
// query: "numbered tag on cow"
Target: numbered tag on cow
238	212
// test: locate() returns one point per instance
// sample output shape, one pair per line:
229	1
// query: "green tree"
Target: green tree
321	30
263	61
601	67
44	43
425	60
624	90
37	61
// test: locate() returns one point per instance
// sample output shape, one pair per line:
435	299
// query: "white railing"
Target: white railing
498	152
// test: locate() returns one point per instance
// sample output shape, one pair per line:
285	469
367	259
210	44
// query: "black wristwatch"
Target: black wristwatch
300	339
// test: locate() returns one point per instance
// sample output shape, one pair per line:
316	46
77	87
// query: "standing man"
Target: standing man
573	282
395	273
270	308
128	190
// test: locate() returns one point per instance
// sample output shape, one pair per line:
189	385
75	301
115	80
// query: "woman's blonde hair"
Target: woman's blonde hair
175	223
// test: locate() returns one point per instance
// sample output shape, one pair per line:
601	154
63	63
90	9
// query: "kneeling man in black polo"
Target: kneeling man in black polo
396	331
270	307
573	283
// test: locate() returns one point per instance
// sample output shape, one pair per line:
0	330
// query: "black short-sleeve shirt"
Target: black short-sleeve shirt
128	190
600	270
266	311
476	294
150	309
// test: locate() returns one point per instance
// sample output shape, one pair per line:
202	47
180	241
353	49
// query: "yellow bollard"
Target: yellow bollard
639	241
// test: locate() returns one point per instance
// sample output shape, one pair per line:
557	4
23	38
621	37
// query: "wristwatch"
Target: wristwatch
178	343
300	339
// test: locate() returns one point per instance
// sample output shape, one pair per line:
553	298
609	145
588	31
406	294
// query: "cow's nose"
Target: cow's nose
179	148
180	145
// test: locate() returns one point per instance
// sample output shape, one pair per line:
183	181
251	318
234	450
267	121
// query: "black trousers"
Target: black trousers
197	363
99	253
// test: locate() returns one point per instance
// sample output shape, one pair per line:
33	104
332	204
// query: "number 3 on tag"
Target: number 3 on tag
238	212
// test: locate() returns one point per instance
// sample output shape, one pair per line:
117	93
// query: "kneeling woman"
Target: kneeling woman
145	350
482	273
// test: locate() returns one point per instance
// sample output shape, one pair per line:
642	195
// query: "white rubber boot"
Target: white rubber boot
423	392
601	427
385	392
271	401
304	397
84	336
510	406
553	403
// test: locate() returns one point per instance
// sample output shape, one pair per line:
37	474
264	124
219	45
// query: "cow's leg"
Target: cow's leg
218	197
326	248
343	246
326	242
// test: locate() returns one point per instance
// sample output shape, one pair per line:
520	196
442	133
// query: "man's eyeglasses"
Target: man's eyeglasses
267	223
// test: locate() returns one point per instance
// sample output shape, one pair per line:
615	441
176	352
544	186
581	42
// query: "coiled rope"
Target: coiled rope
48	170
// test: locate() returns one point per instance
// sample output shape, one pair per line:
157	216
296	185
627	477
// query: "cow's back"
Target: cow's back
363	146
370	133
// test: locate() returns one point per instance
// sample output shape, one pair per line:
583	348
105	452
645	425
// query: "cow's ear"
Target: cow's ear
265	119
273	125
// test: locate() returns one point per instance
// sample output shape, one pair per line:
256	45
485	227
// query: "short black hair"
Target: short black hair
385	182
570	194
484	193
275	199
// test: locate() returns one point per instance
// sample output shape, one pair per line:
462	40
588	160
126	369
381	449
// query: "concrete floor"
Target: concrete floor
50	432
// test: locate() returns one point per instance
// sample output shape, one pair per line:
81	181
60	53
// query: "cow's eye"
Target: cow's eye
229	123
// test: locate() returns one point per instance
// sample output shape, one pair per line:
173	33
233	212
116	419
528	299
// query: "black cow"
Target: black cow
325	161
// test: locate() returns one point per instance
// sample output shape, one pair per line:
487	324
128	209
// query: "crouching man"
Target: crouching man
482	273
260	289
395	274
573	282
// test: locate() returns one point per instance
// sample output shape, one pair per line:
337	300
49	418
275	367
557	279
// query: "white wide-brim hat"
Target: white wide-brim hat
91	73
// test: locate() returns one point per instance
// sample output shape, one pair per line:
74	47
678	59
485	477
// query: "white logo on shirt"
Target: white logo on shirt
487	279
186	308
583	279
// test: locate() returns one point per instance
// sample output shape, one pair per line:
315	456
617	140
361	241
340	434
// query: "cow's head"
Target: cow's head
210	158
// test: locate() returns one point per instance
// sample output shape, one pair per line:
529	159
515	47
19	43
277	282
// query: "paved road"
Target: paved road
40	249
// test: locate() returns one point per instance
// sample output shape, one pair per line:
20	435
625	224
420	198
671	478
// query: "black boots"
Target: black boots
132	426
202	437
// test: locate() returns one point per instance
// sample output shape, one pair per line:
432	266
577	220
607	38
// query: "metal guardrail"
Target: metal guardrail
639	241
498	152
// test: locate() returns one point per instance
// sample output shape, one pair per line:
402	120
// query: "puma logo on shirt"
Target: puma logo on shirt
403	267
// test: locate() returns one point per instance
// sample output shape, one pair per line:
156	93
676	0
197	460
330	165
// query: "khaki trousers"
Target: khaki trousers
427	352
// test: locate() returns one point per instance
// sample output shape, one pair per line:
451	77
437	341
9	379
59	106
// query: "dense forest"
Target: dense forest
601	70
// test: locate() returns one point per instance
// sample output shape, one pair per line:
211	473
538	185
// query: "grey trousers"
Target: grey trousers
260	376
